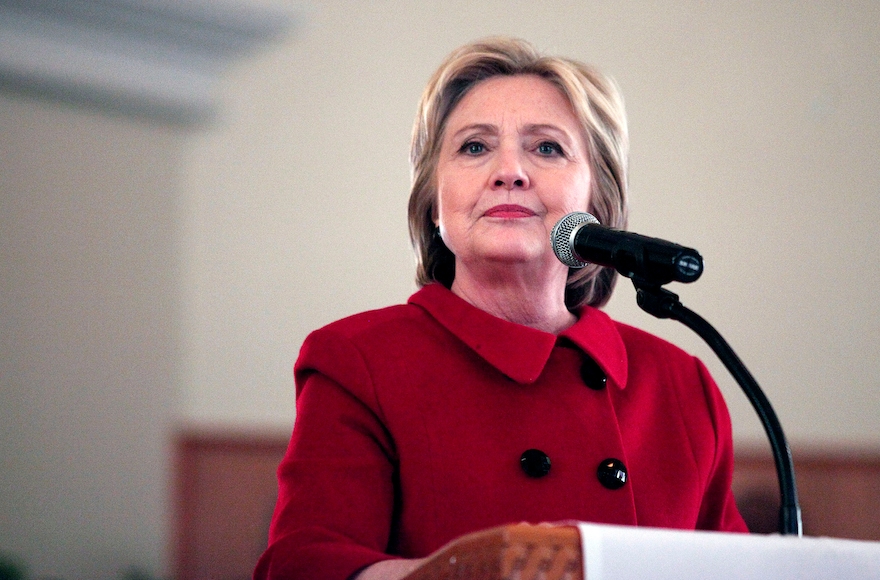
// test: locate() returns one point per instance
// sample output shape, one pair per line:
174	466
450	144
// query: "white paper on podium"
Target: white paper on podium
632	553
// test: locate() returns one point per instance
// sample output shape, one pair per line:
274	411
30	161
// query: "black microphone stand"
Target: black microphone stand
662	303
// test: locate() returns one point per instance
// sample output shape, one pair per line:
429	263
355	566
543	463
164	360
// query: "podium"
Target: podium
581	551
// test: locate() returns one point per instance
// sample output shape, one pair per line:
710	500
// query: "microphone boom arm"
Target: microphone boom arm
662	303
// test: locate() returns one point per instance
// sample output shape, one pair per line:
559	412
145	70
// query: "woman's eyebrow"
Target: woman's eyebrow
529	129
544	128
476	128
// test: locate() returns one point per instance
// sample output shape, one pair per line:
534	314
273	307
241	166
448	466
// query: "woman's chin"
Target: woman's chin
516	255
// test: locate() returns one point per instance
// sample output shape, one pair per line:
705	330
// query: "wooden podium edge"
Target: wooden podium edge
512	551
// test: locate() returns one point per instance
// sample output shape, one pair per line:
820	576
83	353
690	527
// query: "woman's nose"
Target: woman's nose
509	172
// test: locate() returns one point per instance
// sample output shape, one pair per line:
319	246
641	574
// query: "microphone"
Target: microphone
578	239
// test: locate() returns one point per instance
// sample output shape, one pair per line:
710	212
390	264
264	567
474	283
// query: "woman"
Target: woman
499	393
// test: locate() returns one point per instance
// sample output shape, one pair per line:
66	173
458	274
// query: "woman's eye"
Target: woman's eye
549	148
472	148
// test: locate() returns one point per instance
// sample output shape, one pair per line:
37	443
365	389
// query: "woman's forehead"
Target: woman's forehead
525	98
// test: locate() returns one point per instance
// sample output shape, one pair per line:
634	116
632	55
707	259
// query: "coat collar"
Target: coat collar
518	351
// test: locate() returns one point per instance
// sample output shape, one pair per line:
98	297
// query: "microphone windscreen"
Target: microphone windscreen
562	237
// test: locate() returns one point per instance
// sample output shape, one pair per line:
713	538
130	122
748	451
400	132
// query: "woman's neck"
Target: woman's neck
530	300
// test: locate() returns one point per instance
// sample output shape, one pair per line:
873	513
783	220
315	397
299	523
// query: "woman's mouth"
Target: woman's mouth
509	210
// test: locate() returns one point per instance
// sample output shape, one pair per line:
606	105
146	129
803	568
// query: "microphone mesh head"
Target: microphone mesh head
562	237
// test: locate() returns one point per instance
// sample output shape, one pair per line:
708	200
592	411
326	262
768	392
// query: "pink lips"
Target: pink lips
509	211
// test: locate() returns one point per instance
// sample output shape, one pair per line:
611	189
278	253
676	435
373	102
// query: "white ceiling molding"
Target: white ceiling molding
159	59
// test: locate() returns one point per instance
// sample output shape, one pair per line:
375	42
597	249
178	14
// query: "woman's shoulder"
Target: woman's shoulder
647	350
370	324
650	354
593	322
346	349
415	316
637	339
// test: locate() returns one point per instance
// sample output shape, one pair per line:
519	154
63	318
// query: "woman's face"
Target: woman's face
512	162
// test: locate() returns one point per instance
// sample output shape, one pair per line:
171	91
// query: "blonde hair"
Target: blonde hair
596	102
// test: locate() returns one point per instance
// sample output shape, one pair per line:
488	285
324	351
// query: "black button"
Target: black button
612	473
535	463
592	375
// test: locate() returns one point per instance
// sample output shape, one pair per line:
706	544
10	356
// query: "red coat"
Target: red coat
412	420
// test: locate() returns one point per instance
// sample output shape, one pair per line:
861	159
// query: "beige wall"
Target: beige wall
754	132
156	277
89	338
